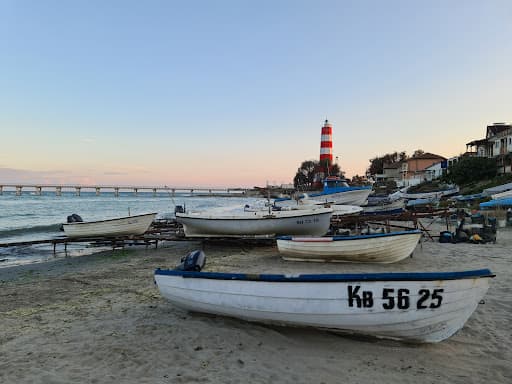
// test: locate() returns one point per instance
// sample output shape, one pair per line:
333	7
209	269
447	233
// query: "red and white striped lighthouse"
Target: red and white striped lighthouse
326	143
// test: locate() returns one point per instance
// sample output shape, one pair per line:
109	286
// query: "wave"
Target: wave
30	230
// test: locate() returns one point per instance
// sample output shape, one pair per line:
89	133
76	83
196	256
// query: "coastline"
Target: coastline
99	318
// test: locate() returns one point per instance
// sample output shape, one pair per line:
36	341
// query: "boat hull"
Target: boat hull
312	222
124	226
357	197
409	308
391	208
376	248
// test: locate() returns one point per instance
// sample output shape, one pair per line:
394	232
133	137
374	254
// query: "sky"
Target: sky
234	93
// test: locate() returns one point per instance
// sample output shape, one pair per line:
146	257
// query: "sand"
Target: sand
100	319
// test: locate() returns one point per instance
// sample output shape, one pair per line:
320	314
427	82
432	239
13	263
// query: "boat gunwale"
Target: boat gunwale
107	220
298	239
301	213
330	277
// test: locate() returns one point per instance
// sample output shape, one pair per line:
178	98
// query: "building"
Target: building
497	144
419	168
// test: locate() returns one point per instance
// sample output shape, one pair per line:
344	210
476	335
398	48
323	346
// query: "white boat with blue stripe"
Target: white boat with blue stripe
372	248
335	191
414	307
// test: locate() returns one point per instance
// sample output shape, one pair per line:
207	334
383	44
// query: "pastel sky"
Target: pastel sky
234	93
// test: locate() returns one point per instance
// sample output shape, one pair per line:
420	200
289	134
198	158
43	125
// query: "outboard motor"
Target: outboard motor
194	261
74	218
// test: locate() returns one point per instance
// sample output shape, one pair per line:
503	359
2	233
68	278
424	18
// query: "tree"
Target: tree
418	152
471	169
358	180
377	163
305	176
309	170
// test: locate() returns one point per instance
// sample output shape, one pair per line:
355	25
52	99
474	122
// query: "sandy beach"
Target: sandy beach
100	319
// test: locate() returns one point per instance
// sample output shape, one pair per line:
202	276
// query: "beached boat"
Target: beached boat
335	191
373	248
346	210
314	221
389	208
404	194
416	307
122	226
422	203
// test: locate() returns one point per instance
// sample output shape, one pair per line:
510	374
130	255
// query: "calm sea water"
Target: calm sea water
33	217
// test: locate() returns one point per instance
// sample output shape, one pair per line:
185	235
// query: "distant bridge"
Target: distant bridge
58	188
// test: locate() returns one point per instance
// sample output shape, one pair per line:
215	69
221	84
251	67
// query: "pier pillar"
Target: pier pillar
173	190
38	190
135	191
18	190
154	192
1	190
116	192
77	191
97	191
58	191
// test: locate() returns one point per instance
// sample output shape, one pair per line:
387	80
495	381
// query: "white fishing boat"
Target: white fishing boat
404	194
373	248
388	208
415	307
314	221
346	210
122	226
335	191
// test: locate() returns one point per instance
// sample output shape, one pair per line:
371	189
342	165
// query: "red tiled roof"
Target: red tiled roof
427	155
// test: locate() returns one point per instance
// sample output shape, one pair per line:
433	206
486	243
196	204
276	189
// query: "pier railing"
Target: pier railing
38	189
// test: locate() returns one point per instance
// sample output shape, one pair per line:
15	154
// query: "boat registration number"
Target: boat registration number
308	221
394	298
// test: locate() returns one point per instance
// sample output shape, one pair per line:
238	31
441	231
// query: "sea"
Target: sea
31	217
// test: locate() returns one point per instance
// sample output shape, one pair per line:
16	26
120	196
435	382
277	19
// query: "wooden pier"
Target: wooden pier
170	230
78	189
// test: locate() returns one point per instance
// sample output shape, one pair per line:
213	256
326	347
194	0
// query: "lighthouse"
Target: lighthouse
326	143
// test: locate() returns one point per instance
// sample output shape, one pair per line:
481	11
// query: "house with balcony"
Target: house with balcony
497	144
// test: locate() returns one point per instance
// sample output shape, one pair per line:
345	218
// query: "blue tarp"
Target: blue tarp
506	202
469	197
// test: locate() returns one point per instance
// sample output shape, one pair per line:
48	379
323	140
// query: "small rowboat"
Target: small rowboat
414	307
314	221
373	248
122	226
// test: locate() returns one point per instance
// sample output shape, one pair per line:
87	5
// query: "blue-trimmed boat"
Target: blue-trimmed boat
390	208
415	307
335	191
372	248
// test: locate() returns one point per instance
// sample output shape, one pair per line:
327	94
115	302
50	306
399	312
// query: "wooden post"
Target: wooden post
39	190
154	192
77	191
97	191
116	191
58	191
1	190
18	190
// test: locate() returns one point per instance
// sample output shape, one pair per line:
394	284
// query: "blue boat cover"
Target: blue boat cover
506	202
335	277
